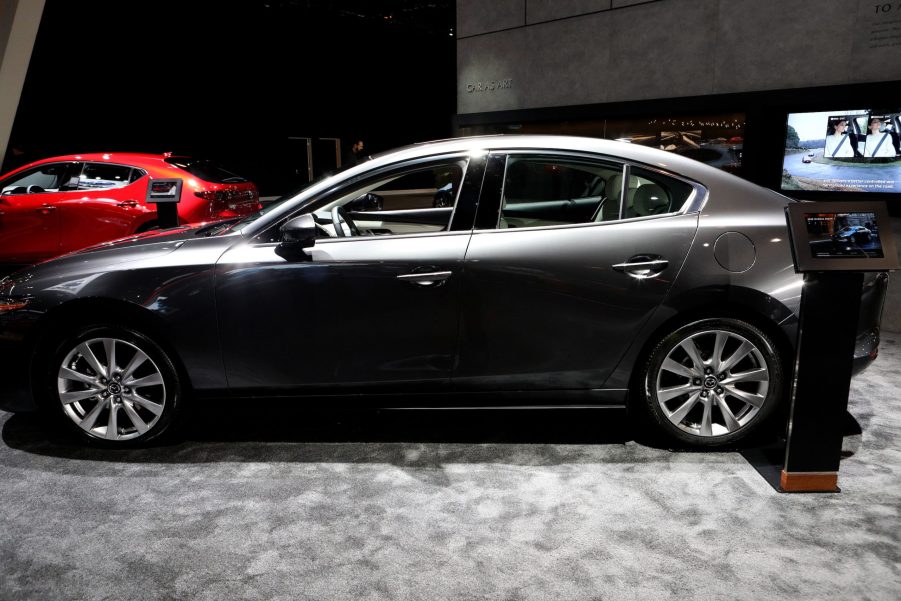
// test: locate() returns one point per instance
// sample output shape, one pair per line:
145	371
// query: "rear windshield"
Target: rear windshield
208	171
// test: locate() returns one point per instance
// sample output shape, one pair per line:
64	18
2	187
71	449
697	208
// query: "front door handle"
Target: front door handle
128	203
45	208
432	278
642	266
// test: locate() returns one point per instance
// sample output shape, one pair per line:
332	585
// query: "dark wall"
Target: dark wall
232	80
764	132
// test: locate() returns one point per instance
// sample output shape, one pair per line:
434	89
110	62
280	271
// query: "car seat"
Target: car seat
649	199
614	193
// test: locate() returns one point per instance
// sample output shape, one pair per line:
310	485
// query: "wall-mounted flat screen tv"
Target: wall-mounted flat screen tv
857	150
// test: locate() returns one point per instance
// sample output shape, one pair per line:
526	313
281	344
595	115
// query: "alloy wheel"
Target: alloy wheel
111	389
712	383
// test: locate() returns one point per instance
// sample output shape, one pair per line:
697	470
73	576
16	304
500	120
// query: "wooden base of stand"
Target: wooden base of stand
809	481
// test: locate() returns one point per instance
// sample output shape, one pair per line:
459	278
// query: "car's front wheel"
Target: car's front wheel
113	385
713	382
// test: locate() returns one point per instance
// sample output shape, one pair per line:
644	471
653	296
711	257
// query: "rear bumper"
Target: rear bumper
866	347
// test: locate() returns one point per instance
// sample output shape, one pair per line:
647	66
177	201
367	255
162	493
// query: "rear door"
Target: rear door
557	277
106	203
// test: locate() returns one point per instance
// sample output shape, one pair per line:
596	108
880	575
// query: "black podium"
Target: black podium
833	245
165	194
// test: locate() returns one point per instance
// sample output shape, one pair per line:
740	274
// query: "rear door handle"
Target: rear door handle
642	266
128	203
432	278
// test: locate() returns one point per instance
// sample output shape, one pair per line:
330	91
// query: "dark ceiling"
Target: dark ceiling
234	80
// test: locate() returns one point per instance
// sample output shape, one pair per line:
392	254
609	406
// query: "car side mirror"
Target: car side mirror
298	233
365	202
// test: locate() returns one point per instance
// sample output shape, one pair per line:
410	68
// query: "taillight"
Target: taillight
211	195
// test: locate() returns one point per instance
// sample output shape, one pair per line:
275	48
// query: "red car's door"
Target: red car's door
107	203
29	213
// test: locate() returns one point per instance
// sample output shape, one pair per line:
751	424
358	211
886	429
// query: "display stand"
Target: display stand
822	380
166	194
833	266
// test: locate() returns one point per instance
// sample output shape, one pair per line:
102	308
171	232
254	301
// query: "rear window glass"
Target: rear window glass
208	171
100	176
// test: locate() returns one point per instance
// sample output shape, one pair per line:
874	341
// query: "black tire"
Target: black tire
719	413
146	400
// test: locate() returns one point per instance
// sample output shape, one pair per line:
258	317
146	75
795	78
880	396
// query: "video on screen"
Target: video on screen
843	235
843	151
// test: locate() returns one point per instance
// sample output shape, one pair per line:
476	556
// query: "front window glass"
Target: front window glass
416	200
542	191
46	178
100	176
412	200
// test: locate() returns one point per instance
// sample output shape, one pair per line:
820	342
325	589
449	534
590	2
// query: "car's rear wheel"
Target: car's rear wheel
114	386
713	382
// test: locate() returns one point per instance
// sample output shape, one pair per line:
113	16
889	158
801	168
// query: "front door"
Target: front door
372	305
29	213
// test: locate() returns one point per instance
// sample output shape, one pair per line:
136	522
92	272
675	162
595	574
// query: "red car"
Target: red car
57	205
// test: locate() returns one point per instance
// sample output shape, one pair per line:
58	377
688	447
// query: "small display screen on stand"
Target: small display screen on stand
841	236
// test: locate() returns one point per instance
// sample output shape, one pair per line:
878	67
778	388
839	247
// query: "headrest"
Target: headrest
615	187
650	199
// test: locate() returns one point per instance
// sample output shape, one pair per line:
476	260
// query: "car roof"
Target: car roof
737	193
138	159
615	149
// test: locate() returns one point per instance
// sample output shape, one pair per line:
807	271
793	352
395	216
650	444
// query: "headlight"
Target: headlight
13	304
7	302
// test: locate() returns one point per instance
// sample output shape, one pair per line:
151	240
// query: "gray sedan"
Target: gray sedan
526	271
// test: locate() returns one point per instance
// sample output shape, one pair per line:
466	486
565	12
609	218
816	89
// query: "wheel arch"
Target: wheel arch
65	318
757	308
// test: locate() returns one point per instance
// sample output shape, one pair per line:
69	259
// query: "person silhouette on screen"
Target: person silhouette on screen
879	143
837	142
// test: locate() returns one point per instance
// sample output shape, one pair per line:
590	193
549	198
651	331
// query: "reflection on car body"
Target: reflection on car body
554	271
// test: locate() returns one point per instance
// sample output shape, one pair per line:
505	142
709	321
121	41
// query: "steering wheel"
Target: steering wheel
339	215
35	189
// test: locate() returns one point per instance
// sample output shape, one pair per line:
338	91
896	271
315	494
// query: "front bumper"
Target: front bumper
16	353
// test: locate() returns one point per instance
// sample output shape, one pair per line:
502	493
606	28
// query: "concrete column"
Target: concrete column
19	22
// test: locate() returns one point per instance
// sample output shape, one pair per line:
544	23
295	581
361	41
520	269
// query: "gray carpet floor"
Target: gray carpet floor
287	504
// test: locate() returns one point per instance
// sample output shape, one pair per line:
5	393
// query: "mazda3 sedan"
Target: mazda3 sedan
853	233
476	272
61	204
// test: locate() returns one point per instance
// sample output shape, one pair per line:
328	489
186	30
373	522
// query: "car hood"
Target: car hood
80	272
114	253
